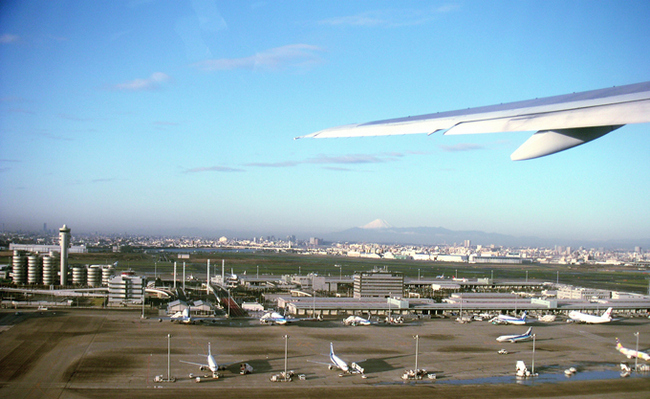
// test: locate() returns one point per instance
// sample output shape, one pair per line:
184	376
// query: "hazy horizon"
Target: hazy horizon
374	232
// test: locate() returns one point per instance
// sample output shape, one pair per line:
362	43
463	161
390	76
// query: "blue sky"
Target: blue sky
163	116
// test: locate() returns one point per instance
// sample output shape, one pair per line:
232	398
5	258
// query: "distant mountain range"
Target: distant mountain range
379	231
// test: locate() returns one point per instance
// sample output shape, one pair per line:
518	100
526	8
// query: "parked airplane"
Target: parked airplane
276	318
516	338
506	319
212	364
337	362
562	122
630	353
184	317
580	317
357	321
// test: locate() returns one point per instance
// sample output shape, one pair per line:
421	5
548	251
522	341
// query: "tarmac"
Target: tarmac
116	354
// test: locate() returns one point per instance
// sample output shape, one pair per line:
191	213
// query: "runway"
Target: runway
107	353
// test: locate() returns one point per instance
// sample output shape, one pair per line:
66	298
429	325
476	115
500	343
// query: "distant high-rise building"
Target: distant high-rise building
64	241
45	227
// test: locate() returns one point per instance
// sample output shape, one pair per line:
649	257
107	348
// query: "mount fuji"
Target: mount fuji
377	224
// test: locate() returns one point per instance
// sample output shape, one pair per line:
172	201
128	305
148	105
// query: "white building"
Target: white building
379	283
126	289
451	258
581	293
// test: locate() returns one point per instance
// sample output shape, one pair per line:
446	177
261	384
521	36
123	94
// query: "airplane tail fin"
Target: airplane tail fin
530	331
608	313
331	348
209	350
186	312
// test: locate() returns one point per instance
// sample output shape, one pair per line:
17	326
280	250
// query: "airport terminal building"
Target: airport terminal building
378	284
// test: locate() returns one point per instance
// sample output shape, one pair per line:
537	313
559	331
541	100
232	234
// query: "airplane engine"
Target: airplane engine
203	368
245	368
356	367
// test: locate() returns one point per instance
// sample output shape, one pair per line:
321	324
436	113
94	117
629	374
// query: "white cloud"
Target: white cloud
9	38
153	82
391	18
213	169
349	159
289	56
461	147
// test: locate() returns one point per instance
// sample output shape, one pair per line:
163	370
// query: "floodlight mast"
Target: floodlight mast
636	358
169	336
417	350
533	362
286	348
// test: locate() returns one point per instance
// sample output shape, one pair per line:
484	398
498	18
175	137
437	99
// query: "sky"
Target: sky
167	117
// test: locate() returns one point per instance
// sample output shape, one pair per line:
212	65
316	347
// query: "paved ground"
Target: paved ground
108	354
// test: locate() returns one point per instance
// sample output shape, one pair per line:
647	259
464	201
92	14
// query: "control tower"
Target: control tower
64	240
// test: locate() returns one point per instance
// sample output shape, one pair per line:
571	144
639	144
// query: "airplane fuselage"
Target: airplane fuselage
516	338
631	353
580	317
518	321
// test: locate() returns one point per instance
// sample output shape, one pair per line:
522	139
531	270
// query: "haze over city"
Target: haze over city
165	117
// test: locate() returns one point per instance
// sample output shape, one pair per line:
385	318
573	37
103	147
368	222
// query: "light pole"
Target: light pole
169	337
533	363
417	350
229	302
286	348
636	358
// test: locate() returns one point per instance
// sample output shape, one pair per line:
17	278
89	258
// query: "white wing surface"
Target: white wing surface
561	122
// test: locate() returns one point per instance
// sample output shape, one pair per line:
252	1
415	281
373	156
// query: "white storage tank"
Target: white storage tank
33	269
18	271
49	270
107	273
79	275
94	276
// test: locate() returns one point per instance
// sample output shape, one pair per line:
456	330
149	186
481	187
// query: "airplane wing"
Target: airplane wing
561	122
317	362
195	364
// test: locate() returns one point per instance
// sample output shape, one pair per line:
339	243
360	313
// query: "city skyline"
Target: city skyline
155	117
376	233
